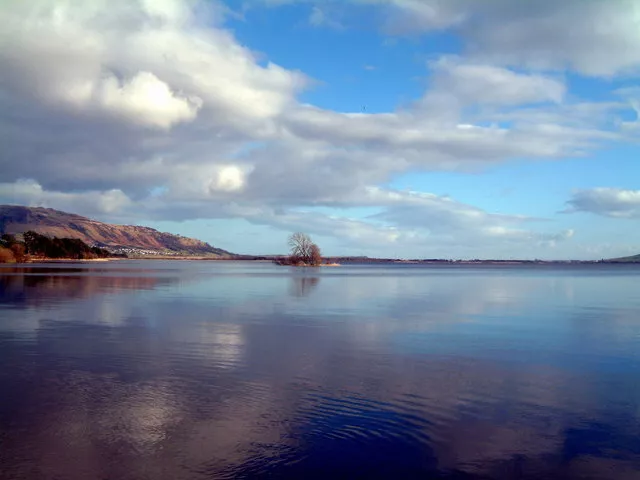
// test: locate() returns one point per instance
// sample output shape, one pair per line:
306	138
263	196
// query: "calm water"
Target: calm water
195	370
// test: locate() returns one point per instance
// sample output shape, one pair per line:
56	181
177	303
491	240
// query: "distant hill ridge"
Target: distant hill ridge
632	259
53	223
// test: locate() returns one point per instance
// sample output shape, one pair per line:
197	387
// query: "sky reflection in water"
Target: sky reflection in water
214	370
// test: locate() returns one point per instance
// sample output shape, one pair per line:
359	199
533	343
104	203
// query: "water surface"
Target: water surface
197	370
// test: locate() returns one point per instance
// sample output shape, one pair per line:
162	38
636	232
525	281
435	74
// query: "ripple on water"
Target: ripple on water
218	371
344	437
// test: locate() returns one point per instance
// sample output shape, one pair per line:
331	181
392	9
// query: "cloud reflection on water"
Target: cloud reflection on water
190	386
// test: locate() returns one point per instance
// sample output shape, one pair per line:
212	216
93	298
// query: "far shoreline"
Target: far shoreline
333	263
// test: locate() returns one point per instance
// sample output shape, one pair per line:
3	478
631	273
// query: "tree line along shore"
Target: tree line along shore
33	247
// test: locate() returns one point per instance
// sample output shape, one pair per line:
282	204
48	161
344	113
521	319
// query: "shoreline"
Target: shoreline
68	260
437	263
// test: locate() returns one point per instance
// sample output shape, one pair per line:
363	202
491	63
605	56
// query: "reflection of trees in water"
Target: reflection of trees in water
303	286
29	289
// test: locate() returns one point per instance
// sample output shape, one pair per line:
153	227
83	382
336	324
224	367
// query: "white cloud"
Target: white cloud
143	99
149	61
487	84
228	178
149	98
432	136
30	192
608	202
445	219
168	11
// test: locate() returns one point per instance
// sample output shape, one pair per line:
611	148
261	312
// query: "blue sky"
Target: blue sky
396	128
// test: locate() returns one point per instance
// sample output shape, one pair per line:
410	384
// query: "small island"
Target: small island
303	253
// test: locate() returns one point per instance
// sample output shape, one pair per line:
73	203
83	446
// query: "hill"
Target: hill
632	259
128	239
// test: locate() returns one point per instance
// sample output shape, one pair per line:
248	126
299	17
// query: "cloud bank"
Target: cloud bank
155	110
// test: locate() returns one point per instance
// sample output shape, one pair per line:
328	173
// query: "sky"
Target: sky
389	128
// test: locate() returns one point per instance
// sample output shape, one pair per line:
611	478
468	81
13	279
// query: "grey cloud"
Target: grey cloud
31	193
594	37
417	139
481	83
417	221
460	224
608	202
597	37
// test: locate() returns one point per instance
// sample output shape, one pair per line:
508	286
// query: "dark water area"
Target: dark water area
198	370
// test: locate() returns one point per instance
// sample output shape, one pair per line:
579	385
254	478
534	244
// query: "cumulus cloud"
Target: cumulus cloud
228	178
147	98
30	192
77	79
139	58
143	99
608	202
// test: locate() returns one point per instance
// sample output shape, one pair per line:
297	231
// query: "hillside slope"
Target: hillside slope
17	219
632	259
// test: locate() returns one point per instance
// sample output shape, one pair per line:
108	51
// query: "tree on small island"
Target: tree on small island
303	252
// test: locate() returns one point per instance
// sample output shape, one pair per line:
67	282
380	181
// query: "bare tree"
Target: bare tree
303	250
300	246
316	256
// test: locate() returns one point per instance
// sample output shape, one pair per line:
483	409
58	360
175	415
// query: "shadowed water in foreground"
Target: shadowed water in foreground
188	370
